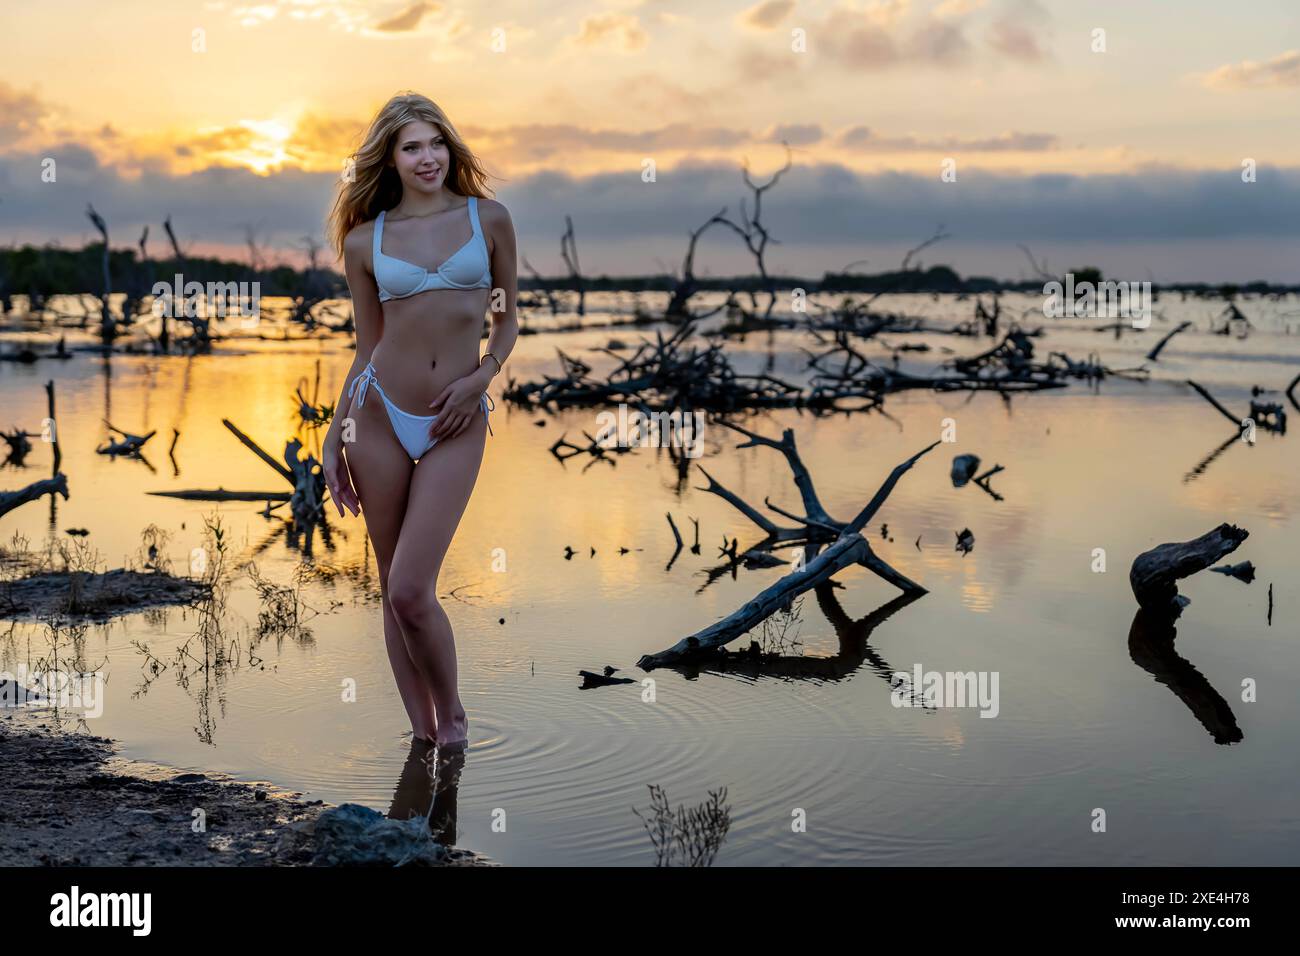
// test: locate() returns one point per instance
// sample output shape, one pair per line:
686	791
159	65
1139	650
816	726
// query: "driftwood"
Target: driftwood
305	501
1234	320
1270	416
671	374
129	445
569	253
964	468
847	546
1245	571
107	324
667	374
220	494
1092	369
9	500
282	471
563	450
854	651
19	446
1155	574
756	237
201	338
1154	354
49	402
688	285
852	317
605	679
982	482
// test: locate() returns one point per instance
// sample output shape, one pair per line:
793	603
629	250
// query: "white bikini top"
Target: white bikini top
469	267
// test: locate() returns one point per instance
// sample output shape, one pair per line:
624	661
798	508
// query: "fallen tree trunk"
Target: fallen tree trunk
9	500
220	494
848	548
1154	354
1155	574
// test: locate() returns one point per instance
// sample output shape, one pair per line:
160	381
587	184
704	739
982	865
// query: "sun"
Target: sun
263	149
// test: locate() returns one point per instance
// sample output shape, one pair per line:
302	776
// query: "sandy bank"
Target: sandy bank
67	799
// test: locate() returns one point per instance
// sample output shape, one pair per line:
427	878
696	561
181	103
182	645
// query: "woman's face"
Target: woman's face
421	157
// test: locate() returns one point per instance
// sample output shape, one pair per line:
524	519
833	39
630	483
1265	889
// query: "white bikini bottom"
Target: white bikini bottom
411	430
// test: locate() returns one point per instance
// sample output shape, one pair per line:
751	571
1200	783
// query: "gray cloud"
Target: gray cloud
815	211
20	114
1019	30
864	139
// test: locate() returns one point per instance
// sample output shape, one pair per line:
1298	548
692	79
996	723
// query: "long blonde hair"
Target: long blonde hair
375	186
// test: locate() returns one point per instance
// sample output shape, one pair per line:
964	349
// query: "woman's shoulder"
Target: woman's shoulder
492	211
359	237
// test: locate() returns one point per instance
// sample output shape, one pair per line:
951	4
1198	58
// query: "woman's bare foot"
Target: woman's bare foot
453	733
427	737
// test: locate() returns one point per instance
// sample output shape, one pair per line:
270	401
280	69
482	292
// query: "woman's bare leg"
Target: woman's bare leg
381	474
439	491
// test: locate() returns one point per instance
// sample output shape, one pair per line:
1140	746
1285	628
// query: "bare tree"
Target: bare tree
752	231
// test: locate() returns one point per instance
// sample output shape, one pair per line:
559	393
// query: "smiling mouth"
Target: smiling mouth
429	175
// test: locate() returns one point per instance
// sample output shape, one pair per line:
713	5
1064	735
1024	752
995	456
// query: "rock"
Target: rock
353	835
964	468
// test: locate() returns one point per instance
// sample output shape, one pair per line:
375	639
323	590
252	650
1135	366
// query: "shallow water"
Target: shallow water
1080	724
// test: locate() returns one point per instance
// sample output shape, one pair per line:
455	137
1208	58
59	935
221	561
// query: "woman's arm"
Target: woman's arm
367	317
499	228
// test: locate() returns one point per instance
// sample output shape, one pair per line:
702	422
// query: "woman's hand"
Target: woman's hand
456	406
337	477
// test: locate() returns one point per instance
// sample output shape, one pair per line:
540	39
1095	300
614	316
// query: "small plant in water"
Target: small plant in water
283	610
687	837
152	553
776	637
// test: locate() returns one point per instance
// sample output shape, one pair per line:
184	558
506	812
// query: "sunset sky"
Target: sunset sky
1128	159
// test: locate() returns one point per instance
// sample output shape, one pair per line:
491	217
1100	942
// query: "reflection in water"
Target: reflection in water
1209	459
427	788
1151	645
854	648
1082	471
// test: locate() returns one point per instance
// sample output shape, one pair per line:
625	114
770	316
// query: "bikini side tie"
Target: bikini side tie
365	378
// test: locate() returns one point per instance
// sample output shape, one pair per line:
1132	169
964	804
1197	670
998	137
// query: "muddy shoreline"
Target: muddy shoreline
68	799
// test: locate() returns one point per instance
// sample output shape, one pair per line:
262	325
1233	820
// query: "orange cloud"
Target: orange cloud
1282	70
766	15
617	27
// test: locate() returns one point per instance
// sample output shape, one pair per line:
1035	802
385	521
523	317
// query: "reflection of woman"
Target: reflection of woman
424	252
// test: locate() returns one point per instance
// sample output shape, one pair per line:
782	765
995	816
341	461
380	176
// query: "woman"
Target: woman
425	253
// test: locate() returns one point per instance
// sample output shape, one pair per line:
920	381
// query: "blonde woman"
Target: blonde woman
425	253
